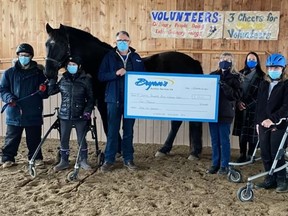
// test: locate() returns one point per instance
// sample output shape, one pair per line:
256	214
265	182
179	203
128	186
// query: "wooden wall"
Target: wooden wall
25	20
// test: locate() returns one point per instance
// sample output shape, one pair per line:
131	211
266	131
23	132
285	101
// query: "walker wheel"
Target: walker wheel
245	194
234	176
72	176
100	159
32	171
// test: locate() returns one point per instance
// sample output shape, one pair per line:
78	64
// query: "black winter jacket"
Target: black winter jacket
17	83
230	92
76	95
276	106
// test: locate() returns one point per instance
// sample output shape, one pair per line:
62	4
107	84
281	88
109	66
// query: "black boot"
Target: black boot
83	160
282	185
268	183
64	162
242	158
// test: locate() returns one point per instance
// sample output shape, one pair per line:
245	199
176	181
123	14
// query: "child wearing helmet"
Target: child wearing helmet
272	105
76	106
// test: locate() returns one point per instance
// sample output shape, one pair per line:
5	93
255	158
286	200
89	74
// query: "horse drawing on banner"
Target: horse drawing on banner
67	40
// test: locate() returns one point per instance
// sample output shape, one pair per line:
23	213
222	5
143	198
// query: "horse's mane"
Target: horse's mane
85	36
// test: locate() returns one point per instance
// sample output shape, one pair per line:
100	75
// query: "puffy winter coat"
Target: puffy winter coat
76	95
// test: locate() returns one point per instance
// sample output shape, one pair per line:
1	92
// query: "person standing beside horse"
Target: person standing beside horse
112	70
76	106
244	123
229	93
22	88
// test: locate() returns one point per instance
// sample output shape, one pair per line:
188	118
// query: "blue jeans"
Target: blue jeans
220	140
115	114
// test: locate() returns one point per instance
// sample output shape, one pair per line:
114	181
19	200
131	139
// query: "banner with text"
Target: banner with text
251	25
187	24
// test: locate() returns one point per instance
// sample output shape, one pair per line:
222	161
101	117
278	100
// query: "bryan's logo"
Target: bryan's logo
154	83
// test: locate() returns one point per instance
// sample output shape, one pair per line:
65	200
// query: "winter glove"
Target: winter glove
87	116
12	103
42	87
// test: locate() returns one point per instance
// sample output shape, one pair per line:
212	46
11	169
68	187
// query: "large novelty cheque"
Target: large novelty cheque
171	96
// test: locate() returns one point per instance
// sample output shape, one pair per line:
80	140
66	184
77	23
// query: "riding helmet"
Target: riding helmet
76	59
276	59
24	47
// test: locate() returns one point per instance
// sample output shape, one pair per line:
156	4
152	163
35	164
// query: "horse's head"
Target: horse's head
57	50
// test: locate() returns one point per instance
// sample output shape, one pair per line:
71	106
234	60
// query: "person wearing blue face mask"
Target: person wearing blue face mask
272	105
244	123
22	88
75	110
112	70
229	93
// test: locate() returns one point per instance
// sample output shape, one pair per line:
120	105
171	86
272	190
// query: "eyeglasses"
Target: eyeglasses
122	40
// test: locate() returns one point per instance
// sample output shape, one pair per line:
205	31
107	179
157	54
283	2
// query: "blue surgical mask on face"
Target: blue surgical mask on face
122	46
225	65
72	69
24	60
274	74
251	64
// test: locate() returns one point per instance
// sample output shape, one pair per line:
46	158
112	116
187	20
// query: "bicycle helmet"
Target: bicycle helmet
76	59
276	59
24	47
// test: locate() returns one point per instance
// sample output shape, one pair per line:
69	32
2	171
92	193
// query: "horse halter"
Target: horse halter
68	53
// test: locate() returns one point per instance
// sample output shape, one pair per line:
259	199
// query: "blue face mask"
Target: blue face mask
122	46
72	69
274	74
24	60
225	65
251	64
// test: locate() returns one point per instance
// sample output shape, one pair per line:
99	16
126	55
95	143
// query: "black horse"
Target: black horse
67	40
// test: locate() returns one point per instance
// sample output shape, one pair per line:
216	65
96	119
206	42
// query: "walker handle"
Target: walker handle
280	121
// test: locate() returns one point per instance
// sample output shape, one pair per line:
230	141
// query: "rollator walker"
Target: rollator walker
73	175
246	193
234	175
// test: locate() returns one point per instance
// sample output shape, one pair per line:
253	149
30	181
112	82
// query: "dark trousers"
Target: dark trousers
81	131
269	144
195	137
13	139
243	142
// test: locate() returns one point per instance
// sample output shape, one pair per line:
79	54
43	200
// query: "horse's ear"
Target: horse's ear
48	28
62	27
